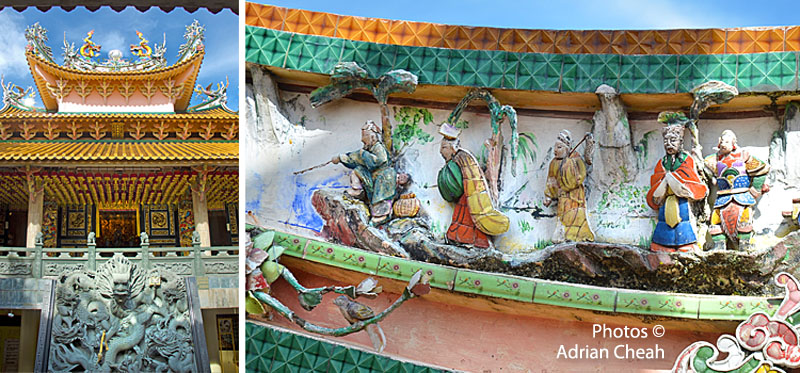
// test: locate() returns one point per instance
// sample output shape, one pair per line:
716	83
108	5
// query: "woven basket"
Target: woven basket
406	206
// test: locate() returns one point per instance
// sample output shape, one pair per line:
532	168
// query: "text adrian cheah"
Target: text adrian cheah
619	351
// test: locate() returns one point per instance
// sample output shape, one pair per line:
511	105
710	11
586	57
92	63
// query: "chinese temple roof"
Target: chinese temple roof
214	113
145	83
114	151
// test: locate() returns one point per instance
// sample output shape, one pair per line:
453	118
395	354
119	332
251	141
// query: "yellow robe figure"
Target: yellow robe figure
565	183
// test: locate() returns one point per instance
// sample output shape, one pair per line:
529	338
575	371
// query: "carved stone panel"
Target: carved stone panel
222	267
121	318
15	268
56	269
184	269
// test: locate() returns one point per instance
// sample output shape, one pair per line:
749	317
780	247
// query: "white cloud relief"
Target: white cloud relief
12	60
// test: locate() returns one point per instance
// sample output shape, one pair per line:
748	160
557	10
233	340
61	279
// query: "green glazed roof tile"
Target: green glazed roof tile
764	72
694	70
734	308
538	72
767	72
585	72
315	54
375	58
648	74
566	295
269	47
476	68
508	287
662	304
395	268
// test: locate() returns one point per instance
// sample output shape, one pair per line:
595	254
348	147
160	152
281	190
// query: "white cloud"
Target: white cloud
12	59
112	40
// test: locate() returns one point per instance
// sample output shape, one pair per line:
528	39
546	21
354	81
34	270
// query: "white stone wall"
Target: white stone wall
282	200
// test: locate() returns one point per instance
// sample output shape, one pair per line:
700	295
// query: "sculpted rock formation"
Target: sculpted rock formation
600	264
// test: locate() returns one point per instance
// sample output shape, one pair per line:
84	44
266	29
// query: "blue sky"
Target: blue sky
114	30
574	14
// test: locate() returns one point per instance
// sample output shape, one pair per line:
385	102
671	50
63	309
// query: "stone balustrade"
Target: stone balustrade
51	262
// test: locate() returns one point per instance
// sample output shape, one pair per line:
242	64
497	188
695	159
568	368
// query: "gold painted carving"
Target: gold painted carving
105	89
162	129
4	133
148	90
83	89
184	132
208	132
139	128
60	90
126	89
97	130
232	130
51	131
74	133
26	130
171	90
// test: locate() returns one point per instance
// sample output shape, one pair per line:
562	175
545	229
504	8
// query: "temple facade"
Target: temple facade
119	210
117	150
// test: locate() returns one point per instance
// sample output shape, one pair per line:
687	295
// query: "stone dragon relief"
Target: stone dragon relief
123	319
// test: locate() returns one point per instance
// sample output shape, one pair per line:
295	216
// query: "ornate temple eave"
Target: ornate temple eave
119	151
11	112
184	72
448	96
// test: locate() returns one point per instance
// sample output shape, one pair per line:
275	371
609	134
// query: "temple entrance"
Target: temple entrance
16	229
218	227
117	229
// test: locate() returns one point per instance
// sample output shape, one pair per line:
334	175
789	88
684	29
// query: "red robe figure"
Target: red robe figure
674	183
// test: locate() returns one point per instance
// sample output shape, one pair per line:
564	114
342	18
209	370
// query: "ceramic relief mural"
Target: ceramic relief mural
446	186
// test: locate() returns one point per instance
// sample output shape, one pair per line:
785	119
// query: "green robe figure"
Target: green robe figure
374	177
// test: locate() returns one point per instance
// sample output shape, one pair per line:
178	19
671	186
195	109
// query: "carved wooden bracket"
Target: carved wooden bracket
5	134
97	130
232	131
83	89
208	132
52	131
126	89
74	133
26	130
105	89
148	89
162	130
139	130
184	132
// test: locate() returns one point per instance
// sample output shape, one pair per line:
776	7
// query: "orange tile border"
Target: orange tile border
792	39
423	34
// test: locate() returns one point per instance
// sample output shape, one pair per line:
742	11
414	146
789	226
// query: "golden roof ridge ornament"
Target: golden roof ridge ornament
146	57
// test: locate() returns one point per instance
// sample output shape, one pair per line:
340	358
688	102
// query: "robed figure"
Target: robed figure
374	177
675	182
740	179
565	178
462	181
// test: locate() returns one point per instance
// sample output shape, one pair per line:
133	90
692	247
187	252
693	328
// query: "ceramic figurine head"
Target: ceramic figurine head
448	148
370	133
673	138
727	142
562	145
